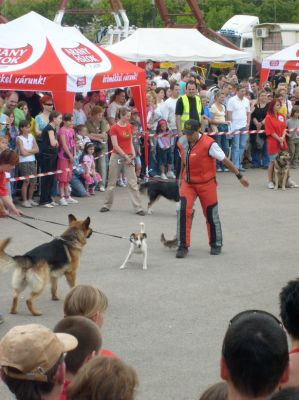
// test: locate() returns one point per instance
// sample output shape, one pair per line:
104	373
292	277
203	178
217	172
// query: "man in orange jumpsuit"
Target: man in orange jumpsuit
198	179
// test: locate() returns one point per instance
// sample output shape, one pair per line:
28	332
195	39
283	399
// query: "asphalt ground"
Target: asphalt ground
169	321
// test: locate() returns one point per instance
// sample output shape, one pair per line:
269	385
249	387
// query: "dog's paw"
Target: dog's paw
55	298
276	188
283	188
122	267
37	313
144	268
13	312
149	212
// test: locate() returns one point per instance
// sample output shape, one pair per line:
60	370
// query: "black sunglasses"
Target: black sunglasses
254	312
48	104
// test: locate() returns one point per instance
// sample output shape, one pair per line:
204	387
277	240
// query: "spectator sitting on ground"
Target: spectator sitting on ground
89	344
104	378
31	361
90	302
291	393
289	311
218	391
255	357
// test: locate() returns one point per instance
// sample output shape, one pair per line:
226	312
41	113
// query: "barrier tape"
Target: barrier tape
57	172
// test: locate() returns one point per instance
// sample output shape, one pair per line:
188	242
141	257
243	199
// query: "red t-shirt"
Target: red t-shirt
124	137
3	184
275	124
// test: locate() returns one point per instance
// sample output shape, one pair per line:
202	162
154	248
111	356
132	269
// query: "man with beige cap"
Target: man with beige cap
32	361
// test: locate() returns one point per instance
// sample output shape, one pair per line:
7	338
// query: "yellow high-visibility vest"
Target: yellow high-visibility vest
186	112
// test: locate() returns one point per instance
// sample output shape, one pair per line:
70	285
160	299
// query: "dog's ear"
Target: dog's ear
86	223
72	218
132	237
144	235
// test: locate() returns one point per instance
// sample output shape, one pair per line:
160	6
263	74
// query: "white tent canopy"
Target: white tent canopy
172	44
287	58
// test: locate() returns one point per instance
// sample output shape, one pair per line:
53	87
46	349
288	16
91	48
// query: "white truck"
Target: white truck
239	31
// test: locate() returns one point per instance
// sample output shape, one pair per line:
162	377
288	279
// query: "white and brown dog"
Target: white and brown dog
138	246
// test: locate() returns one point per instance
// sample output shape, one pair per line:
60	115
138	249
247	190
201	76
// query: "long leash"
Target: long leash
59	223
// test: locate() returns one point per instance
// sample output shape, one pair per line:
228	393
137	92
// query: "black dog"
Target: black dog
158	188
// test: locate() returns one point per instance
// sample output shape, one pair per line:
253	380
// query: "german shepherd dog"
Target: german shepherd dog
157	188
51	260
281	170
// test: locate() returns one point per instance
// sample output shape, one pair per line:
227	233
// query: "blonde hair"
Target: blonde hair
85	300
104	378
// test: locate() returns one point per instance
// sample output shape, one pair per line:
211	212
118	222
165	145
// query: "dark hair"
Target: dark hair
79	97
122	111
24	123
190	83
116	93
31	390
272	104
87	146
80	127
67	117
255	351
21	104
53	115
160	122
88	336
291	393
159	89
165	75
289	307
218	391
185	72
9	157
173	85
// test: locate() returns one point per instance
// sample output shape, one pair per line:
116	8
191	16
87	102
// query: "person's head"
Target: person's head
162	126
11	116
148	84
22	105
89	148
124	115
160	92
296	92
8	160
97	113
262	96
24	127
218	391
291	393
241	91
78	143
175	90
165	76
221	81
191	89
168	93
185	75
93	97
274	106
149	65
135	127
120	96
219	97
104	378
289	307
153	85
88	337
3	143
254	86
191	130
87	301
254	354
227	89
82	130
232	71
55	118
151	98
281	93
46	103
293	100
32	361
79	101
67	120
11	100
295	112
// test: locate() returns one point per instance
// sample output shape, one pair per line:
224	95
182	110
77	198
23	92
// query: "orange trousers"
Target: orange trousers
207	194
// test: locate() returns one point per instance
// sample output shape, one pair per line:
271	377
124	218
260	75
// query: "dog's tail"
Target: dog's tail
142	227
143	187
5	260
3	244
168	242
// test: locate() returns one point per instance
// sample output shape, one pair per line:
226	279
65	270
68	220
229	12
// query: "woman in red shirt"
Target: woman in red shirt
275	129
123	154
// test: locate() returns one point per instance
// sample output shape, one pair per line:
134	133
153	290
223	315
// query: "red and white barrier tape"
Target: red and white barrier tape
57	172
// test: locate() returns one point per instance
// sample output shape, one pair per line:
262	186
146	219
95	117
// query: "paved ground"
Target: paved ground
169	321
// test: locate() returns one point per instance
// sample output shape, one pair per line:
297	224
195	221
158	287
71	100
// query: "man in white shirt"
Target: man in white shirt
78	113
238	112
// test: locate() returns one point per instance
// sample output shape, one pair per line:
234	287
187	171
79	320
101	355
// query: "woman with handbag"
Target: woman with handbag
259	153
219	124
98	128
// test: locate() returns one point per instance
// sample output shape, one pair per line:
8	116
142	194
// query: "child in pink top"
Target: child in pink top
90	176
66	156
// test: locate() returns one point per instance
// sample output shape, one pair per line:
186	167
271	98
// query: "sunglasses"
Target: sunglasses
48	104
255	312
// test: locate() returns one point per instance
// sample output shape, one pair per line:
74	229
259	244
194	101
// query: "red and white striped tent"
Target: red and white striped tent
286	59
36	54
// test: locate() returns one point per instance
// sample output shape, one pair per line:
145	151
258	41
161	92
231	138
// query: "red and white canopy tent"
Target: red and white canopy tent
286	59
36	54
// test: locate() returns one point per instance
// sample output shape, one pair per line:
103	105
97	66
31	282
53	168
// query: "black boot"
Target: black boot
215	250
181	252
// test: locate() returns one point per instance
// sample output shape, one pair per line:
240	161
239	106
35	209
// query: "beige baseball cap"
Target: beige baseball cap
33	350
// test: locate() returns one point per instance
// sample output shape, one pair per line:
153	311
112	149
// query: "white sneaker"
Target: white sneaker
270	185
48	205
163	176
63	202
102	189
26	204
70	200
170	175
53	203
219	169
33	203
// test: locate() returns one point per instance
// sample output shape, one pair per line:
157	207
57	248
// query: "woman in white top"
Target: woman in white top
220	124
27	149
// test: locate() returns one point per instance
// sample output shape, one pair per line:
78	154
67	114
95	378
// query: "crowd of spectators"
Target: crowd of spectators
45	140
70	363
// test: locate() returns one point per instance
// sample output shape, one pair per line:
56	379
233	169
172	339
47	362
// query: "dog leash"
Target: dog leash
59	223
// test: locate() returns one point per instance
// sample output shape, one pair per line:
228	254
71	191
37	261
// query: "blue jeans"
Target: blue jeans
222	142
77	185
260	154
238	147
